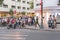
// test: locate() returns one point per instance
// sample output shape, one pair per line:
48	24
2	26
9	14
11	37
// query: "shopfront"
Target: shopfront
53	10
4	14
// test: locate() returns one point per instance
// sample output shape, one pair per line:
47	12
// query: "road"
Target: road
13	34
27	34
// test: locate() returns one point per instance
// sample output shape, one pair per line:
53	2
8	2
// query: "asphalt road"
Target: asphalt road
27	34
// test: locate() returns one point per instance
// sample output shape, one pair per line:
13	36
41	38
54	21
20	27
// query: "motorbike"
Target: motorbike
51	24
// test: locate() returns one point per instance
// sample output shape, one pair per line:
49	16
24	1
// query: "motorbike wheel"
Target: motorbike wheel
53	27
49	25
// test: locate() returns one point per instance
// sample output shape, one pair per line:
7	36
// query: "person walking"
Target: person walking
13	22
36	21
17	22
50	21
54	19
8	23
29	21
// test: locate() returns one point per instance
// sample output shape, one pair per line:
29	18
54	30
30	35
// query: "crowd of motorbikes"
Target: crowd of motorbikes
22	21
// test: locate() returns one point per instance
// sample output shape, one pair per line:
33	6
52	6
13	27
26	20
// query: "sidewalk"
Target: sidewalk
35	28
32	27
38	28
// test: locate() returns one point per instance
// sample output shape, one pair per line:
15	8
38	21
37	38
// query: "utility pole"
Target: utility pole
41	14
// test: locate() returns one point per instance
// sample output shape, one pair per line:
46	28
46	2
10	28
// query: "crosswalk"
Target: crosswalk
12	37
4	35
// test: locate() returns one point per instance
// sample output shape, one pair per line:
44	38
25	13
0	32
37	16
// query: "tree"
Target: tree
1	2
23	13
31	5
11	12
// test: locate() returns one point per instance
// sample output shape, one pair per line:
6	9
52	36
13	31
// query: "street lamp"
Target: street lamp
41	14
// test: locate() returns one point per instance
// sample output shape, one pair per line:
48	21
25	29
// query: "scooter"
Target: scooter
51	24
9	26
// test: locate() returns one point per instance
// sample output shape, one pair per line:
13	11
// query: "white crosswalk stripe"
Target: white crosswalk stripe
16	37
12	36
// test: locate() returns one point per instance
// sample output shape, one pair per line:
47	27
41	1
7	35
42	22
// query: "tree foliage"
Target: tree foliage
1	2
31	5
23	13
11	12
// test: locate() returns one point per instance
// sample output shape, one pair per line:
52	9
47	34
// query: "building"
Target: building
18	6
37	6
51	7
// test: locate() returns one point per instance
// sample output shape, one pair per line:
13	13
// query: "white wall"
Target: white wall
36	2
45	4
16	3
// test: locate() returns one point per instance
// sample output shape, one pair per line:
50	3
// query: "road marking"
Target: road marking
12	38
12	35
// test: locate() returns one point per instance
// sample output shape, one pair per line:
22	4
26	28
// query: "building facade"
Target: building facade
16	5
51	7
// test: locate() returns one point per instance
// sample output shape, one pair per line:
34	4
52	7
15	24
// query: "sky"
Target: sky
47	3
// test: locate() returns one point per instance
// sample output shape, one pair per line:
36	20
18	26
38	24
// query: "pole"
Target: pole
41	14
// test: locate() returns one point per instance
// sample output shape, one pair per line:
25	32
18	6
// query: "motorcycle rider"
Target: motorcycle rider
50	21
54	19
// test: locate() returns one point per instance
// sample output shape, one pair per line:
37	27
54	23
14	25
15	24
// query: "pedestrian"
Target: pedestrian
36	21
54	19
13	22
0	21
50	21
20	21
9	23
8	20
33	21
23	22
17	22
3	21
29	21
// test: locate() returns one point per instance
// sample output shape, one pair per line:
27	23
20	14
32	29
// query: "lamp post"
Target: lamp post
41	14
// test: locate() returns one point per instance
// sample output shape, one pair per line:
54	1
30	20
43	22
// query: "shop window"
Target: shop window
4	14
